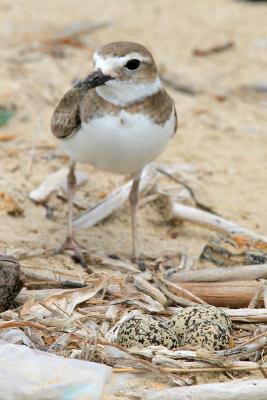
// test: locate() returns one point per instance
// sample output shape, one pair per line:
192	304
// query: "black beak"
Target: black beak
96	78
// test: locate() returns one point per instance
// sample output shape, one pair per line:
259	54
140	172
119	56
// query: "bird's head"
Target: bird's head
132	71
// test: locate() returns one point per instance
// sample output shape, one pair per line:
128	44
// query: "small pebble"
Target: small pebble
145	330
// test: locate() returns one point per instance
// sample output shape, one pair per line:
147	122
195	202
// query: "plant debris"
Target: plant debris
214	49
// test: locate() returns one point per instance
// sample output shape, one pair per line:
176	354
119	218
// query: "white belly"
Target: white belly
121	144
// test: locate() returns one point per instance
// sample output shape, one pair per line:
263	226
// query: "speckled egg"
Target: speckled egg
145	330
189	316
207	335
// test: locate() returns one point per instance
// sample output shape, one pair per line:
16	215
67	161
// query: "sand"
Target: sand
224	142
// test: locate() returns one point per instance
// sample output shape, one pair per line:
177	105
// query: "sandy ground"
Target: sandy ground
225	142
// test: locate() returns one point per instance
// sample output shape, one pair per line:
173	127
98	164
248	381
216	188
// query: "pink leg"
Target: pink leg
70	242
133	199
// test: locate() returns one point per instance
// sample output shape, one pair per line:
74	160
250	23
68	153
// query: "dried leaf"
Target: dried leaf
9	205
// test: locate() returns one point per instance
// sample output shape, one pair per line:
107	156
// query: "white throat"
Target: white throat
122	93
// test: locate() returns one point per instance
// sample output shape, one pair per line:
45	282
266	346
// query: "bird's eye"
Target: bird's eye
132	64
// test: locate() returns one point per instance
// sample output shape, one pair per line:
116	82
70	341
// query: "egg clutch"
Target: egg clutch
199	326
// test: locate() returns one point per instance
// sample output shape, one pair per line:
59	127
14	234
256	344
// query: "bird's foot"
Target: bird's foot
72	245
139	262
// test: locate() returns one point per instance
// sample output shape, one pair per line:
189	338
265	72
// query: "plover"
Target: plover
118	119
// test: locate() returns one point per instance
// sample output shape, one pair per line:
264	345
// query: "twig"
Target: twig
79	323
211	221
66	284
214	49
147	288
247	314
182	290
253	339
194	370
115	200
258	294
22	324
187	187
112	263
222	274
172	296
220	357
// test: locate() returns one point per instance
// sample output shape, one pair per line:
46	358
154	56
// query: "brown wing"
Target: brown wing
66	117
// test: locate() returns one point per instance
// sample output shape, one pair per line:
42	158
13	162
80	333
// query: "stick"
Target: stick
196	370
176	299
214	49
247	314
246	272
147	288
115	200
220	358
21	324
56	284
211	221
198	204
182	290
235	294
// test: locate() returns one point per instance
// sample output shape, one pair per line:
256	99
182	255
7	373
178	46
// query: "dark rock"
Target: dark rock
10	281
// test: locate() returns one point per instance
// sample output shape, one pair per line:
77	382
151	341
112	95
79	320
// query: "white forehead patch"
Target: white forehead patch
114	62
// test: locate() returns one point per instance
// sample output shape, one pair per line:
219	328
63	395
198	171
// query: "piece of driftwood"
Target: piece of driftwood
247	272
189	367
210	220
247	314
115	200
200	366
146	287
222	294
245	390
